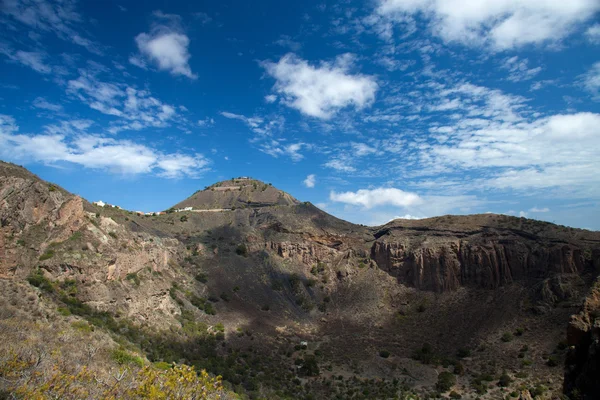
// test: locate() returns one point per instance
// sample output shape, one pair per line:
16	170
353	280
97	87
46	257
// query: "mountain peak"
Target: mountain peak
241	192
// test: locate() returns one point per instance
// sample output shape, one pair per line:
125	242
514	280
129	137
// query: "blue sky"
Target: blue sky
370	110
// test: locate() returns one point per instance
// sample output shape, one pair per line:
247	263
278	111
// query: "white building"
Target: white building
100	203
188	209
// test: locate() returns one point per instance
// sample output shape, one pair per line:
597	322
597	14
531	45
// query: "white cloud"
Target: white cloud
591	80
42	103
270	98
539	210
370	198
165	46
320	91
593	33
95	152
310	180
519	70
503	24
406	216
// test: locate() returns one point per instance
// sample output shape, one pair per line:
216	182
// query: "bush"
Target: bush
504	380
463	352
37	279
241	250
112	235
454	395
48	254
183	218
445	381
224	296
552	361
201	277
133	277
209	309
519	331
122	357
507	337
384	354
266	307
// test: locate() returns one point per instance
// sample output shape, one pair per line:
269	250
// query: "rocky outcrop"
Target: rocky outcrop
446	264
582	369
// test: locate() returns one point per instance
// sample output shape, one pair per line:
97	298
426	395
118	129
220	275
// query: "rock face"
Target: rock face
582	372
448	266
486	257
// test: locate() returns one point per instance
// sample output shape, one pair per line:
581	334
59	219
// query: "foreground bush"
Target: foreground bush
177	383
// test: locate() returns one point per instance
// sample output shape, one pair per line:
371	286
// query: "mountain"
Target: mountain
237	193
286	301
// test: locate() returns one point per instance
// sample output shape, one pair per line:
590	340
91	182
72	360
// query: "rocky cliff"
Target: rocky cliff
582	372
489	253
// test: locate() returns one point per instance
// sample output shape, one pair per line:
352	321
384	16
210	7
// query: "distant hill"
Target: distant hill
237	193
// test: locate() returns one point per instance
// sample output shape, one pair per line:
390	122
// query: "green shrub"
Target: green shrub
183	218
201	277
445	381
224	296
76	236
519	331
64	311
266	307
463	352
161	365
122	357
112	235
37	279
507	337
48	254
384	354
209	309
82	326
454	395
133	277
552	361
504	380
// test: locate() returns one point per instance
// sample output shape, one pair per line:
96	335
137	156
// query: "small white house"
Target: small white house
100	203
188	209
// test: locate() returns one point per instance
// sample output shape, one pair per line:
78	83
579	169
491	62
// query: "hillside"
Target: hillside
477	305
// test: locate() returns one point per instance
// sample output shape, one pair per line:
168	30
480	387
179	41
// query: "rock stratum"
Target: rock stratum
386	308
